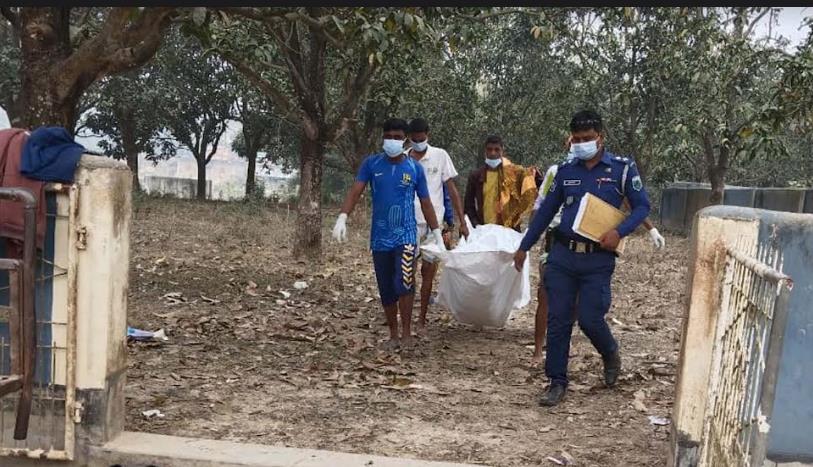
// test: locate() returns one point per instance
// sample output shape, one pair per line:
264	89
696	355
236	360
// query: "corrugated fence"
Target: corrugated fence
681	200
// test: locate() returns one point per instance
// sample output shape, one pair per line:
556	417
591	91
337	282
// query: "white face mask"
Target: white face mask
419	146
584	151
493	163
393	147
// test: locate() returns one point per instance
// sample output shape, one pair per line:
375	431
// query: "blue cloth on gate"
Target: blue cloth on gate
50	155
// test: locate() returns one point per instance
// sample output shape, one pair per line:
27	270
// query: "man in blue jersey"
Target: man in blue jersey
394	180
577	266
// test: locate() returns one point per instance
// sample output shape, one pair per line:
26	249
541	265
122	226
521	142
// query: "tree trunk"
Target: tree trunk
716	168
45	42
717	179
201	191
251	173
128	142
308	241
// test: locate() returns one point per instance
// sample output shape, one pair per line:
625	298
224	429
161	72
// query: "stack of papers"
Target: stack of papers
597	217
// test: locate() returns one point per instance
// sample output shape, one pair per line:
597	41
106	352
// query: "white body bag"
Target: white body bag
479	284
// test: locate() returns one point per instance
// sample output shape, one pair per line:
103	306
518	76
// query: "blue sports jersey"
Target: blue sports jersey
393	187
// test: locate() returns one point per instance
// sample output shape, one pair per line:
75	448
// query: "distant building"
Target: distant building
225	175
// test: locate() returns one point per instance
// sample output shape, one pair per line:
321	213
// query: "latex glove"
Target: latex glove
438	234
657	238
340	229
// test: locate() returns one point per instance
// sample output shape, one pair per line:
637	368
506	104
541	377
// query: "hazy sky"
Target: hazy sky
790	25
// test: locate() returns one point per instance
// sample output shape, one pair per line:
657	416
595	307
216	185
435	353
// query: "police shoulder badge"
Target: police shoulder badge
637	184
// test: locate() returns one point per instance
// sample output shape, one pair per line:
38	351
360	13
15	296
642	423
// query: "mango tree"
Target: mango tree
315	64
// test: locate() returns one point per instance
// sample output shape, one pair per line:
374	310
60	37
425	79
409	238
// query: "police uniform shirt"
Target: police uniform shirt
605	180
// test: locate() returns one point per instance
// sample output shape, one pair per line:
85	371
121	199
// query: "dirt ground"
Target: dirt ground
252	358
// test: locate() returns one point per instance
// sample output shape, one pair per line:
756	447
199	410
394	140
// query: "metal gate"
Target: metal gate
745	360
51	426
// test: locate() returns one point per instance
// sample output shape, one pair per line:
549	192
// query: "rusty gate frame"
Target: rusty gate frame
72	407
731	417
22	321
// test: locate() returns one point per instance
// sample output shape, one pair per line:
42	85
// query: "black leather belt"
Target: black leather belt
577	246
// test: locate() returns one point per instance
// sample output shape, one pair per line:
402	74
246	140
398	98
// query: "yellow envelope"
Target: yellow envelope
597	217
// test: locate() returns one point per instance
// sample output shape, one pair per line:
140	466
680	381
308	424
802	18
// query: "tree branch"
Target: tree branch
121	45
281	101
85	17
292	53
353	91
755	21
263	16
316	68
219	133
482	18
12	17
317	26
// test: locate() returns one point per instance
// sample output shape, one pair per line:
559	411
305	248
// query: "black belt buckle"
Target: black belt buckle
574	245
579	247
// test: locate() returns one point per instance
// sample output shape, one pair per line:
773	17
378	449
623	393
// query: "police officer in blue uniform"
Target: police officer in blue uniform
578	266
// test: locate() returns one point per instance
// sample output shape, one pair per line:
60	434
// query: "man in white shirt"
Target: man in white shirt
439	170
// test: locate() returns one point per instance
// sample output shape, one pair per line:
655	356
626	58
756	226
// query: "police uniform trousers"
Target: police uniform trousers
569	274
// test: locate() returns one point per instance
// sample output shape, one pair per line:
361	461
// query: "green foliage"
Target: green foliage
9	66
128	102
198	95
688	92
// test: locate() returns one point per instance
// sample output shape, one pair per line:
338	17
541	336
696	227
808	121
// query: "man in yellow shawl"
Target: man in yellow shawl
499	192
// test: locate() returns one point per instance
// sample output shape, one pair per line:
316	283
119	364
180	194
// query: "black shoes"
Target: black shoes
556	391
612	368
554	395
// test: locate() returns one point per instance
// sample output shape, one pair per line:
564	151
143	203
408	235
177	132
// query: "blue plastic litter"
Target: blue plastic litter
141	335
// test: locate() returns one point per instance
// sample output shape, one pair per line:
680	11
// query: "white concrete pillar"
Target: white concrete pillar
706	265
101	252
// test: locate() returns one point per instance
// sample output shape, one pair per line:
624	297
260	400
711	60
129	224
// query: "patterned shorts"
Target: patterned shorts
395	272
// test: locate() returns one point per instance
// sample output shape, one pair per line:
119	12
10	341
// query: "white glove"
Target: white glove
340	229
657	238
438	234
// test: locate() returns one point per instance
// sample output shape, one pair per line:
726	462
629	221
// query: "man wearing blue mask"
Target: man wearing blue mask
440	180
499	192
577	266
541	321
394	180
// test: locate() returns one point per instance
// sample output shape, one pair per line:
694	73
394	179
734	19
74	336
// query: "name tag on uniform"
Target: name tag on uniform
572	182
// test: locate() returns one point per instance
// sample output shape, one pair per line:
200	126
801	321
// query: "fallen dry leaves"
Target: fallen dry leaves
267	349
